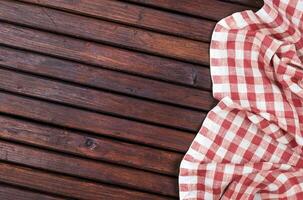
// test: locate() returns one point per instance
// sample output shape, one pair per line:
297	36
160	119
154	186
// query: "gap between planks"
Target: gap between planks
85	145
102	79
63	185
94	123
100	102
105	32
204	9
102	55
97	172
136	16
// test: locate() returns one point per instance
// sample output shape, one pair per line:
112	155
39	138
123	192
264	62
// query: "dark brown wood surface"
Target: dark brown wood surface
100	99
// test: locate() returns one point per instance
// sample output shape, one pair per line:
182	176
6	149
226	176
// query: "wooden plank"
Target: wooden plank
94	171
100	55
88	146
95	123
103	31
67	186
201	8
109	80
93	127
99	101
7	192
138	16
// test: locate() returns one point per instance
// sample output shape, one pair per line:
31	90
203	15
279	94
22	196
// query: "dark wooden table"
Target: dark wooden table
100	99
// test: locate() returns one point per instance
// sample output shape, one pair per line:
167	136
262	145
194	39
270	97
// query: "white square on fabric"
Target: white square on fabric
256	72
211	167
210	125
295	88
240	71
242	88
272	187
247	170
279	106
189	165
221	152
224	88
282	178
245	103
218	53
259	89
254	55
189	195
239	20
257	197
260	152
188	179
244	144
229	169
219	71
274	158
230	136
261	105
266	17
220	36
206	142
209	181
195	154
208	195
236	159
296	21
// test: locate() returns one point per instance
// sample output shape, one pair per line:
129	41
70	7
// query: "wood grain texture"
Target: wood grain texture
94	171
67	186
138	16
95	123
201	8
88	146
103	31
8	192
100	55
99	101
107	79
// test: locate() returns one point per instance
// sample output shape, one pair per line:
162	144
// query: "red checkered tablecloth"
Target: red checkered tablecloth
250	144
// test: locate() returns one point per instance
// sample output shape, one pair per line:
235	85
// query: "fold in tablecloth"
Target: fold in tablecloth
250	144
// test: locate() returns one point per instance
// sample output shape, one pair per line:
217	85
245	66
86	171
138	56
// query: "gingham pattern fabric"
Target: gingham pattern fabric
250	144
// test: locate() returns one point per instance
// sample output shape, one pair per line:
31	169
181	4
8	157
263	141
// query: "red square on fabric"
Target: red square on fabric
233	79
269	97
241	132
235	95
250	80
251	96
267	42
231	62
226	124
233	147
290	10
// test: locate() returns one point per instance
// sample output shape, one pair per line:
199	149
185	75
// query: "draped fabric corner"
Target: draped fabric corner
250	144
